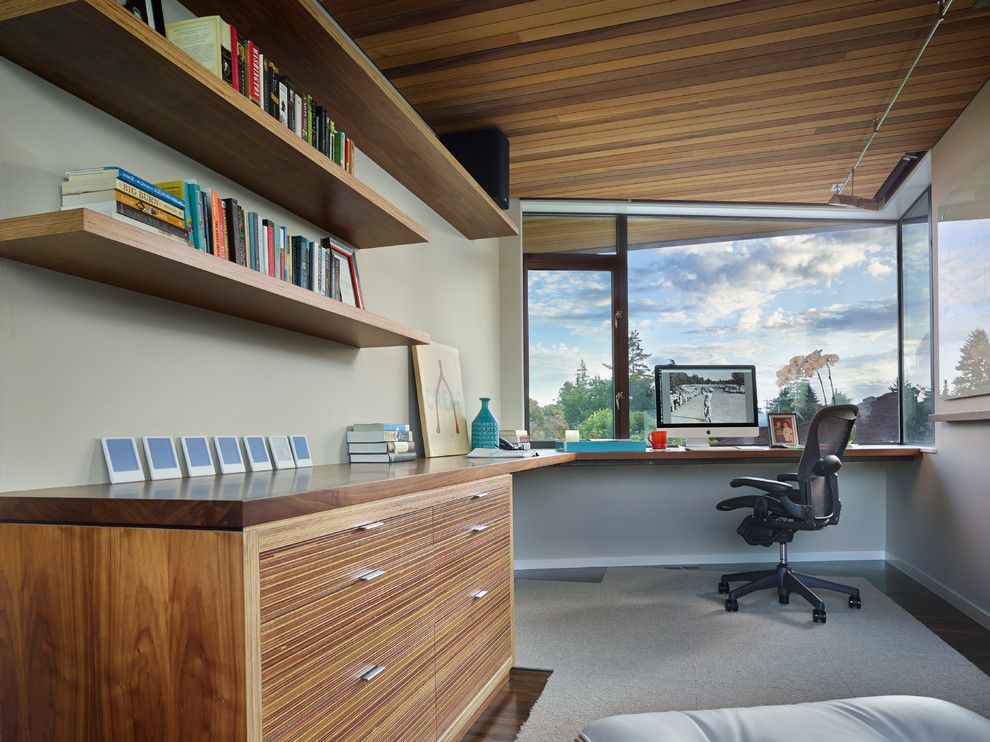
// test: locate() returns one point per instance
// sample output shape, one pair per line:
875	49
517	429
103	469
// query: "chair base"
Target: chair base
787	581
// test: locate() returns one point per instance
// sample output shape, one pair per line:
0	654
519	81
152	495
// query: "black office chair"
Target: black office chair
784	509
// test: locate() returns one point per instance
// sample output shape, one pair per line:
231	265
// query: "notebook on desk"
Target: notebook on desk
500	453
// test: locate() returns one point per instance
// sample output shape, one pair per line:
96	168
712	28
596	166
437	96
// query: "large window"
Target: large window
727	291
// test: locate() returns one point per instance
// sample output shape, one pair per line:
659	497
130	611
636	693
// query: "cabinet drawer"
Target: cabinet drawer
296	647
479	509
472	644
471	562
381	688
297	575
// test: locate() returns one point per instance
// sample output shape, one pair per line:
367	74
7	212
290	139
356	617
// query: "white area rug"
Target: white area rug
653	639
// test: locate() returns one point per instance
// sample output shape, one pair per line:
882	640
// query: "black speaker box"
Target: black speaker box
484	153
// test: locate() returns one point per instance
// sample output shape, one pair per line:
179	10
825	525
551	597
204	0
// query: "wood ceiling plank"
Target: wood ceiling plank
755	100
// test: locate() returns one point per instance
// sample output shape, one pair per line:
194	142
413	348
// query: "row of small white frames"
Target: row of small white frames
260	453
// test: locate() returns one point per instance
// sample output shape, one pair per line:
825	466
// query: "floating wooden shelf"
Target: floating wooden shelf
960	417
90	245
322	60
99	52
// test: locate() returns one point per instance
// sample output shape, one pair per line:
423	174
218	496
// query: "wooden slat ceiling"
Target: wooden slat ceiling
713	100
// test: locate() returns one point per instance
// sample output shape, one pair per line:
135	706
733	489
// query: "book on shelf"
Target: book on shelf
382	458
238	61
112	178
364	427
136	217
382	447
207	40
378	436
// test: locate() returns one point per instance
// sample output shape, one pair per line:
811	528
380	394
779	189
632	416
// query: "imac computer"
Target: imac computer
695	402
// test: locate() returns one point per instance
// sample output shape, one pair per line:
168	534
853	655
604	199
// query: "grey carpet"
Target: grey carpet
656	640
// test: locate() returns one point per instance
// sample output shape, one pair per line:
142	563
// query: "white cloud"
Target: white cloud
876	268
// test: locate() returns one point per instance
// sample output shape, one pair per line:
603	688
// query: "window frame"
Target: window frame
618	266
927	196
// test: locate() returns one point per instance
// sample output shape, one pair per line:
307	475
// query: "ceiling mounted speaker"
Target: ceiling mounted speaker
484	153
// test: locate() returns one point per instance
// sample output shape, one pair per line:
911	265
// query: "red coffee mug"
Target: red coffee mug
658	440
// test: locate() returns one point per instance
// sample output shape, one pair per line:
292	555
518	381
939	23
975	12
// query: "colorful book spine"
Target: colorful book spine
254	72
163	216
234	59
150	189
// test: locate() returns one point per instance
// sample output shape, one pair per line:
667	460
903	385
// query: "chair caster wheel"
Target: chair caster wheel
855	602
723	588
818	616
731	604
783	598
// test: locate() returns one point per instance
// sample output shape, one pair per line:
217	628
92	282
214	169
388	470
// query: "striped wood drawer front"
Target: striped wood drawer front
398	703
472	644
295	576
295	646
471	562
476	510
311	659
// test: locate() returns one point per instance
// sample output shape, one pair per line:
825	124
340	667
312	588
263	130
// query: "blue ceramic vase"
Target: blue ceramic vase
484	429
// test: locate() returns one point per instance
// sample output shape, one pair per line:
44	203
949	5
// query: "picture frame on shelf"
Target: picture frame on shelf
163	462
199	458
348	284
257	453
783	428
229	454
301	451
123	461
281	452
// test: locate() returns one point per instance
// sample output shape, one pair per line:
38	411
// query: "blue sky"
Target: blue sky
964	285
756	301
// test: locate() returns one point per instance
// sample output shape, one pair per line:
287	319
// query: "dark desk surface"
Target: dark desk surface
235	501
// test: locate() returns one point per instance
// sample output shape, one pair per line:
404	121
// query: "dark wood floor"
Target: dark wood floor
509	710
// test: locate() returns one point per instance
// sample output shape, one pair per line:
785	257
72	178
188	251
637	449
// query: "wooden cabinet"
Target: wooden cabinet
392	628
385	620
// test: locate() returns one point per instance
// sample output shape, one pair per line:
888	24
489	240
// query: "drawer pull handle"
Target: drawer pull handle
371	526
478	529
479	594
373	574
373	673
479	495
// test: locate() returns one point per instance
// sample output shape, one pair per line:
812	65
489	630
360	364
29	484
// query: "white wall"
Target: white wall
639	514
938	512
79	359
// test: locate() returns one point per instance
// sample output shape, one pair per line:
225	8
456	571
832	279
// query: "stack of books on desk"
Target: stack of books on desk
518	438
380	443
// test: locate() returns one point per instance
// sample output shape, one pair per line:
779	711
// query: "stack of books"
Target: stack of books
216	45
380	443
518	438
122	195
221	227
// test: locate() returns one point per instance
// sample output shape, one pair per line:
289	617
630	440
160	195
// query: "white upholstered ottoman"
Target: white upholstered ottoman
908	718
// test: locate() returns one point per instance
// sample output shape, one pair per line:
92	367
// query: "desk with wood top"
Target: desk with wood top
346	602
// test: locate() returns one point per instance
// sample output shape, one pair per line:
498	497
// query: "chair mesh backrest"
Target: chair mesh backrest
828	435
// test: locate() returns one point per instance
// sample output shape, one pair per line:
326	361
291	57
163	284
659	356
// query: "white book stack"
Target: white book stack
380	443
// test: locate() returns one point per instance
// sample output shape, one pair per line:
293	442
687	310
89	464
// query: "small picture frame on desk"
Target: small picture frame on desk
257	453
199	460
281	452
163	463
123	461
300	451
783	429
229	454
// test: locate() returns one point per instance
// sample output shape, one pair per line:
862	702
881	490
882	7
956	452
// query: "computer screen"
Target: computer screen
706	397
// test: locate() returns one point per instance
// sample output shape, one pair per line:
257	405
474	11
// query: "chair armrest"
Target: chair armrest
790	477
767	485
